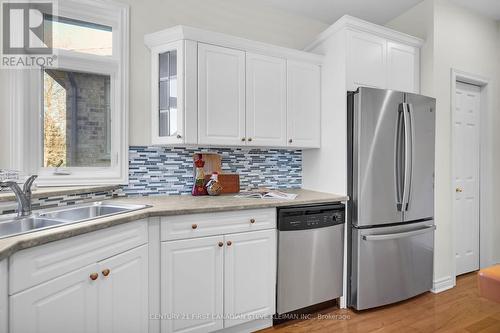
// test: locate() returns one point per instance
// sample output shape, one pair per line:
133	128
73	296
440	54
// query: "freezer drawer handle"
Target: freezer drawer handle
400	234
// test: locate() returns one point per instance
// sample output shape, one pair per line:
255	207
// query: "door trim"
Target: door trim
485	170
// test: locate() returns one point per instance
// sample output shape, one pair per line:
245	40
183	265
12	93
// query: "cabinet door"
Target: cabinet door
65	304
191	283
123	292
221	95
366	61
4	274
303	105
403	63
265	100
167	93
250	276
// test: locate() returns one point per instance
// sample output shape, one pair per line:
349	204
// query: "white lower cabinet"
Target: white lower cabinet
123	293
67	303
192	284
249	276
217	282
4	297
108	296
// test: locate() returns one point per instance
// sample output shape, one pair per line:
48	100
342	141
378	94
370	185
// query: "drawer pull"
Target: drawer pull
221	244
94	276
106	272
194	226
229	243
252	221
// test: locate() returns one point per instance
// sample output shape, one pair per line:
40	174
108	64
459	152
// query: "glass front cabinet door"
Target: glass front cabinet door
168	89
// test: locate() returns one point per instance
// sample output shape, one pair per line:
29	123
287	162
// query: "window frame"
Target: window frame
27	136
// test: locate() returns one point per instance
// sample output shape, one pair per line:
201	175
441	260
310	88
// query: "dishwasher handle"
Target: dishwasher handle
399	234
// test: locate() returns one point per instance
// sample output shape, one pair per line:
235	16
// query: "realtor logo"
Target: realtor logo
27	34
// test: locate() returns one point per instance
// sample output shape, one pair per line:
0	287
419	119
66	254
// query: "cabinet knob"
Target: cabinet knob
290	140
243	139
221	244
179	136
106	272
249	139
229	243
194	226
94	276
252	221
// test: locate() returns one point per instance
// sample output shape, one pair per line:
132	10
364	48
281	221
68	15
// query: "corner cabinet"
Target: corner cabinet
97	282
211	89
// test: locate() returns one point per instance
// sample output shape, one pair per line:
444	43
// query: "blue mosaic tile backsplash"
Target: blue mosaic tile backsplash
169	171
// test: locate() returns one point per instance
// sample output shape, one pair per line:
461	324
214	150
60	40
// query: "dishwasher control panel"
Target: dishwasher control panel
310	217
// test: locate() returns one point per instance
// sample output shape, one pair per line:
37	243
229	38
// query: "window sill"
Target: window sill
42	192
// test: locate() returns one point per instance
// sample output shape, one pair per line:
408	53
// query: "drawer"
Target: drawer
42	263
210	224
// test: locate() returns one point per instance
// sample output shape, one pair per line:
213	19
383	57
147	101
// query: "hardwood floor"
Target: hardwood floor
457	310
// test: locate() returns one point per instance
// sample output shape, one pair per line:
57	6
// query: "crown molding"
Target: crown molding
182	32
354	23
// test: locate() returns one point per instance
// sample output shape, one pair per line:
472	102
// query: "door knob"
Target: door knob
194	226
221	244
106	272
229	243
94	276
459	190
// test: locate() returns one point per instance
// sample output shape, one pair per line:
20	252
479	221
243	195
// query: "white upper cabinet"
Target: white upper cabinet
366	61
221	95
403	66
214	89
172	95
265	100
303	105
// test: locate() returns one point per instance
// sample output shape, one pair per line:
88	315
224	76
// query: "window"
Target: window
78	135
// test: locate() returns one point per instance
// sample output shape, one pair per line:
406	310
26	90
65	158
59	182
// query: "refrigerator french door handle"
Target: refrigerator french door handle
408	155
399	173
399	234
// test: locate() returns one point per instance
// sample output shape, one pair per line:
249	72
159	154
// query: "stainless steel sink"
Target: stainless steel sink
50	218
90	211
25	224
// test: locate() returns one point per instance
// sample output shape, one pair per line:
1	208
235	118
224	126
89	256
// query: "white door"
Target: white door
191	281
303	105
123	292
466	174
265	100
66	304
403	63
366	61
250	276
221	95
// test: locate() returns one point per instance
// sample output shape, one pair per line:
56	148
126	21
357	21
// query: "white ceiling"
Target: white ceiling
329	11
490	8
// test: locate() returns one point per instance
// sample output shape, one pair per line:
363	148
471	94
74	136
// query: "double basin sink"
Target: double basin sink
45	219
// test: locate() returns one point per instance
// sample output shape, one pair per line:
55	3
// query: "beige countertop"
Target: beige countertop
160	206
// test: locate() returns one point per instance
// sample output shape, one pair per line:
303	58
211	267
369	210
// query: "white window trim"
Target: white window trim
26	134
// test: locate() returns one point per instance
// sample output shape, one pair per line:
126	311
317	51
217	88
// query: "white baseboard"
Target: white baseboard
252	326
442	284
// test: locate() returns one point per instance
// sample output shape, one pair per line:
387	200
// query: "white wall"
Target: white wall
238	17
463	40
4	121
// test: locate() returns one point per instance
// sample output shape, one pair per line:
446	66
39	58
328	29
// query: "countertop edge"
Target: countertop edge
22	242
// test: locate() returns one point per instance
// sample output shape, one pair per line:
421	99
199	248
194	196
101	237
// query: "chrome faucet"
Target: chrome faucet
23	196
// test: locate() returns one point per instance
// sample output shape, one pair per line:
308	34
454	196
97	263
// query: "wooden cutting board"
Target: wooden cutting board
230	182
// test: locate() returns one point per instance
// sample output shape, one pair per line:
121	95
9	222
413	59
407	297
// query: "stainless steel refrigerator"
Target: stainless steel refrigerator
391	186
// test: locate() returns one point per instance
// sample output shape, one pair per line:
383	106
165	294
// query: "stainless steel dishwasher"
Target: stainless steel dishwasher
310	255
